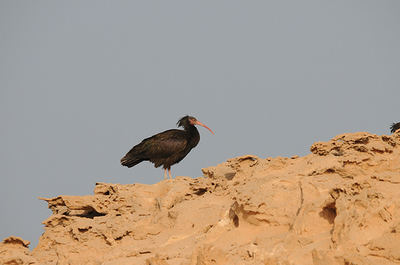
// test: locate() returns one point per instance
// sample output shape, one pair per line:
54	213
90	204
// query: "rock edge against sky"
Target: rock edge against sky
338	205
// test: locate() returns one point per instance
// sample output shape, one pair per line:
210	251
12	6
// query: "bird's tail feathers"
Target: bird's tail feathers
130	161
394	127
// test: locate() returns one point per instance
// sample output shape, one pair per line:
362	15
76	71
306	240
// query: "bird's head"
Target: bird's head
188	121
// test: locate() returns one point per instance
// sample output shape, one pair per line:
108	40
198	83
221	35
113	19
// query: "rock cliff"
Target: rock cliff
338	205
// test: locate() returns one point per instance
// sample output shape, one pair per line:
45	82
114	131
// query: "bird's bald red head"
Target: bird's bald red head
190	121
194	121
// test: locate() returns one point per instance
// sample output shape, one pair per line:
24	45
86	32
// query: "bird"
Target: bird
166	148
394	127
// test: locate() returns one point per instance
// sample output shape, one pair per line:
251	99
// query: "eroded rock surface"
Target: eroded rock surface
338	205
14	251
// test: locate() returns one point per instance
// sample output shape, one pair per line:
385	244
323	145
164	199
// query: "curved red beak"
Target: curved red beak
205	126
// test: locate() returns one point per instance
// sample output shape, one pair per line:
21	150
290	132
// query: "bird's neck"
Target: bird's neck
194	135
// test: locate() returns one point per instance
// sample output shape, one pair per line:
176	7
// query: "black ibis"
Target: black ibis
166	148
394	127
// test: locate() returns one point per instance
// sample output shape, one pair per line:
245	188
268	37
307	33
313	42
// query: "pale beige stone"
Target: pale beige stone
338	205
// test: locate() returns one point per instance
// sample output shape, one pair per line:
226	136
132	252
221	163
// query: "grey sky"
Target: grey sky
81	82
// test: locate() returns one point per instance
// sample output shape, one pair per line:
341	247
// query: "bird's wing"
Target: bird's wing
165	144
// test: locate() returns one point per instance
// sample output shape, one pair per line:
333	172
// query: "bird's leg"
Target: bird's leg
169	172
165	173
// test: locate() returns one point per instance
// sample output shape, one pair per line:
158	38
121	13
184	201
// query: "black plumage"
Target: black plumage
394	127
166	148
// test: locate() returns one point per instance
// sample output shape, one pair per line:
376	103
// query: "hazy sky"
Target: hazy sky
81	82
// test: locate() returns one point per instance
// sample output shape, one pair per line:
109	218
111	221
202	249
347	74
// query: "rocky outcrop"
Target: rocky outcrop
14	251
338	205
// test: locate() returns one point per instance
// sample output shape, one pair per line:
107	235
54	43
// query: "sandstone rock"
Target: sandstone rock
338	205
14	251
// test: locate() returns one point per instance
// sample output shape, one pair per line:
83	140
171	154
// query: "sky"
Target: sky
81	82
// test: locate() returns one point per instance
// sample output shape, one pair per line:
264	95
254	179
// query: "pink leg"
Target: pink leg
165	173
169	171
